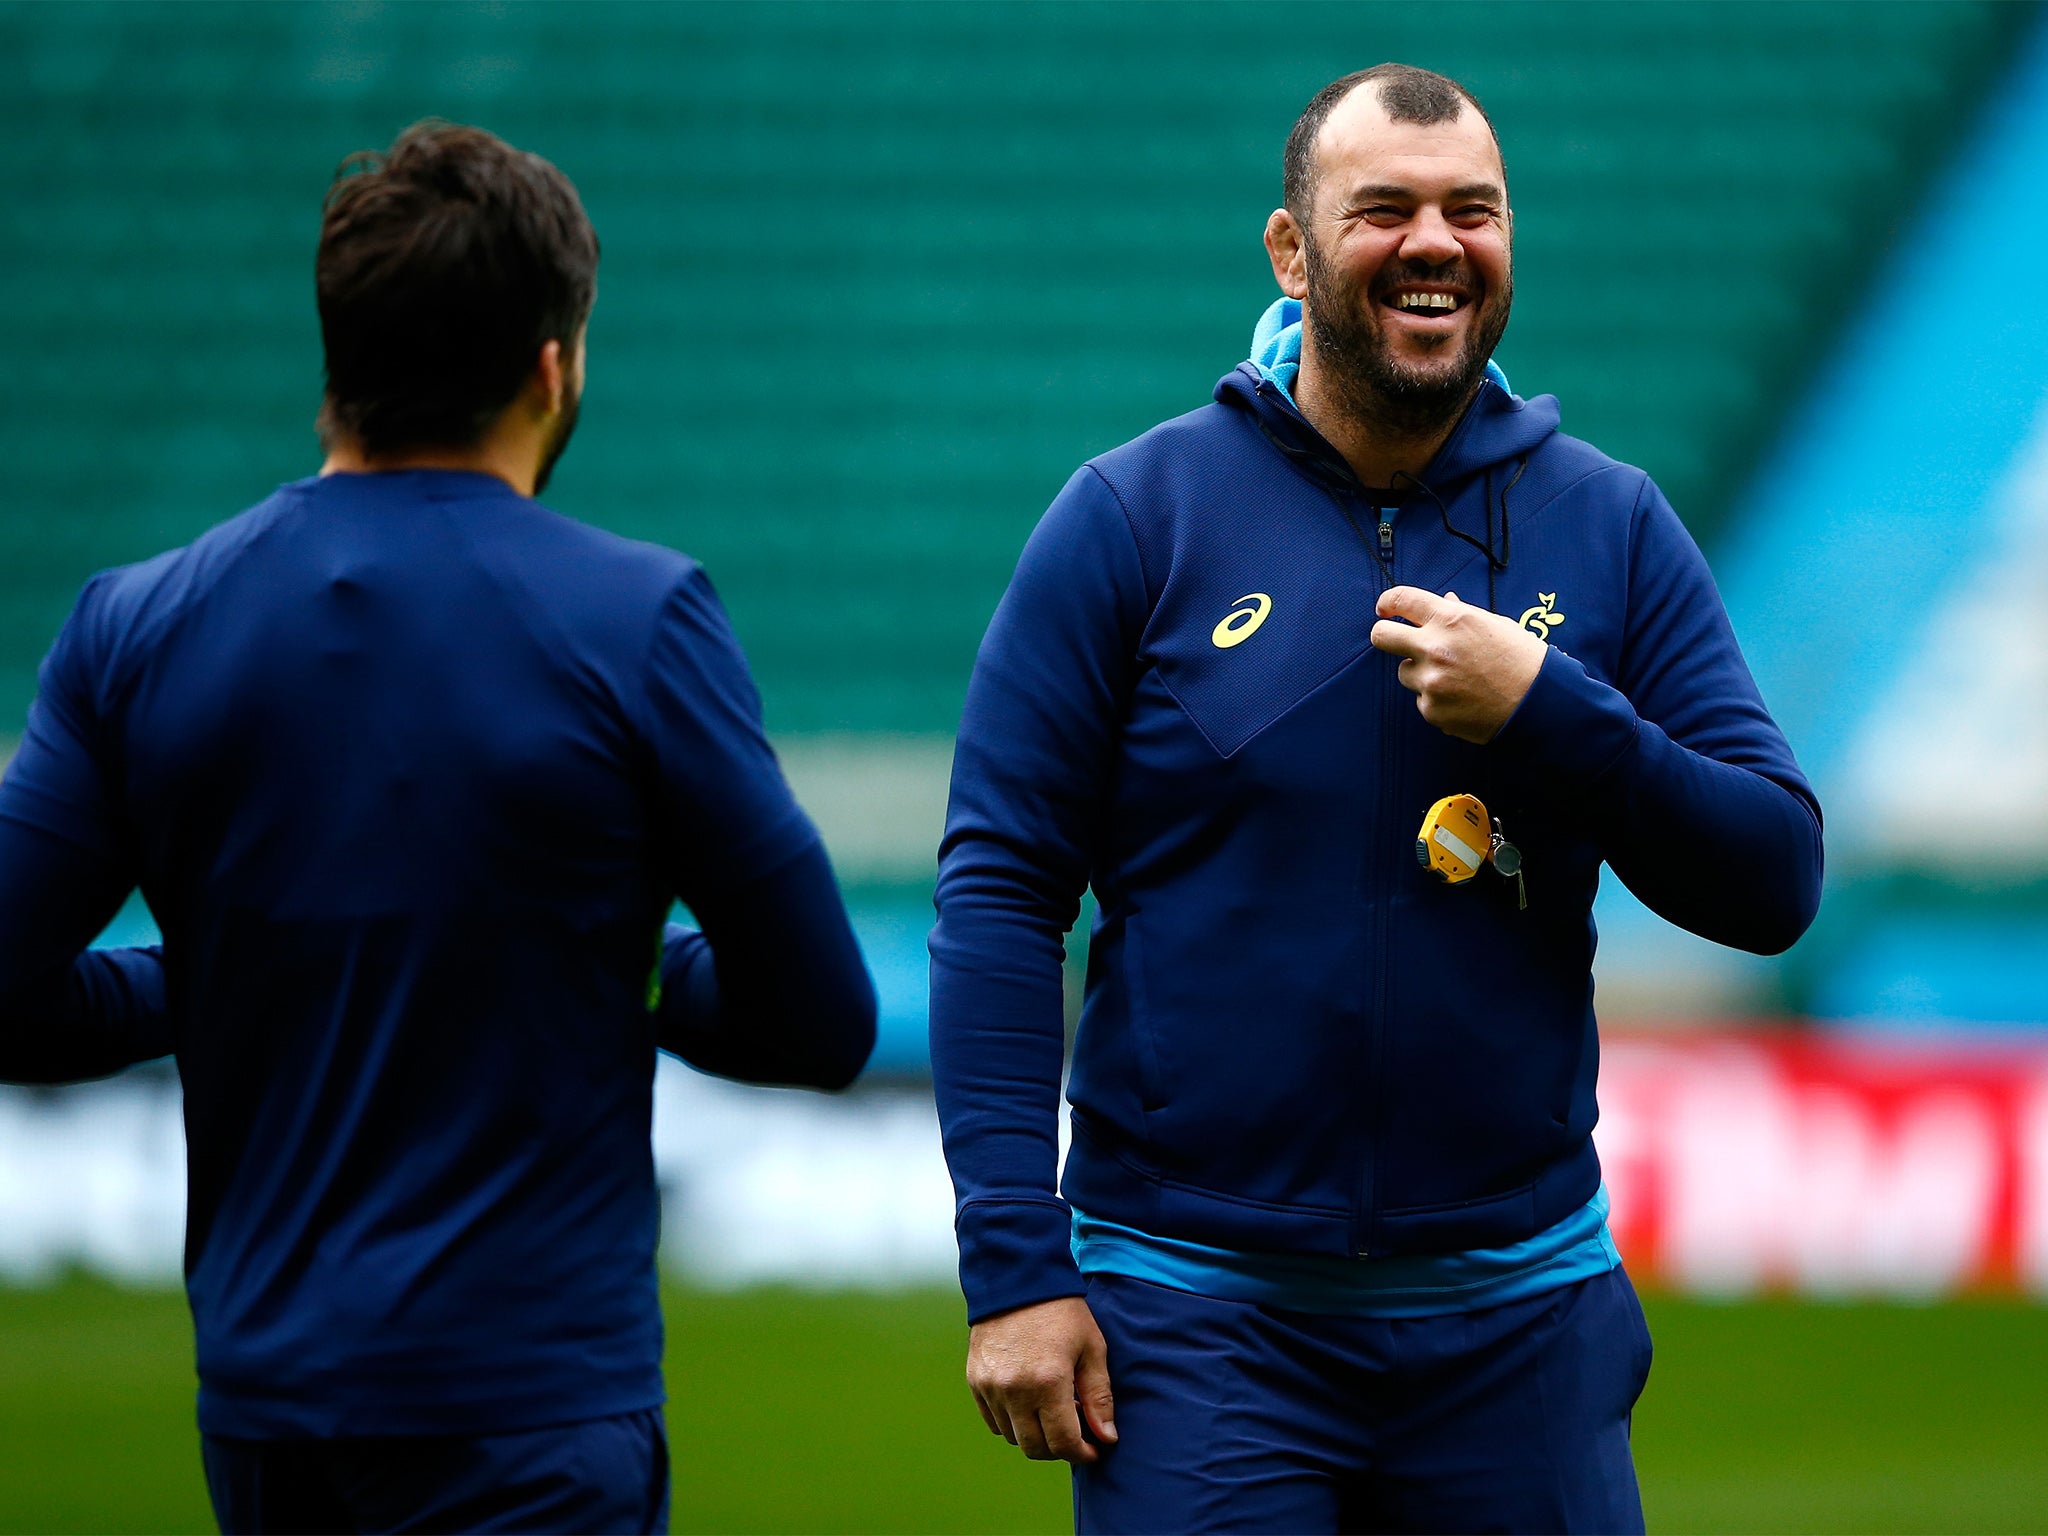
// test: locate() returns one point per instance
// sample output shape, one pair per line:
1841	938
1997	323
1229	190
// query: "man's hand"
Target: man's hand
1467	668
1031	1369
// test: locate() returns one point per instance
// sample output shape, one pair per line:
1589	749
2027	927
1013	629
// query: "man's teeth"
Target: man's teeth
1440	303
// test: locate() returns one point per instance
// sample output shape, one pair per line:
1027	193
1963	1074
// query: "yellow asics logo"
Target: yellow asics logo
1543	618
1238	624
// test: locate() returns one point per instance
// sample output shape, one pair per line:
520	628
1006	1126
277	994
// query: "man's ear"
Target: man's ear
1285	249
550	382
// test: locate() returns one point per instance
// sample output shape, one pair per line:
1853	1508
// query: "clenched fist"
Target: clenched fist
1038	1374
1467	668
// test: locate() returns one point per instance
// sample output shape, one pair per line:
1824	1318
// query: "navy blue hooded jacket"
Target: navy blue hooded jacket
1295	1039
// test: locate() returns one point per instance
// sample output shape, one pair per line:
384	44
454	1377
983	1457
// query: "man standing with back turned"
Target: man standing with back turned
409	769
1333	1252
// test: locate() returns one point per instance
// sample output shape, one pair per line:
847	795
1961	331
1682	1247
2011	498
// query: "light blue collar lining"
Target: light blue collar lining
1276	344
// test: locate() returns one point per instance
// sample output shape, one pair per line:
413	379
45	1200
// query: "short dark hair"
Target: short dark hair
445	264
1408	94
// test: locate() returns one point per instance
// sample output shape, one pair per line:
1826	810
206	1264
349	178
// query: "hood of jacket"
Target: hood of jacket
1498	428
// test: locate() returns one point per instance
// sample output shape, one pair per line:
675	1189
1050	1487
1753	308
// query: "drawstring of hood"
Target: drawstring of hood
1276	354
1495	564
1331	477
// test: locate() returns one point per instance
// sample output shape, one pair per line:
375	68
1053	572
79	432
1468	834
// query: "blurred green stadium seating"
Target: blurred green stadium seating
877	277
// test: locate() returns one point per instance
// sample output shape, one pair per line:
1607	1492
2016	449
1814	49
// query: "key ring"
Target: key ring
1457	839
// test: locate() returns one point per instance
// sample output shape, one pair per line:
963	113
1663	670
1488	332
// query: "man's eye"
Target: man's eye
1385	213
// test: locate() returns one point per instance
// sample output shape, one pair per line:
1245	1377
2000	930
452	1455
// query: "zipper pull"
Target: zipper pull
1387	539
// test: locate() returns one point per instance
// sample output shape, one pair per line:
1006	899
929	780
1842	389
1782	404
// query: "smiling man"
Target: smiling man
1338	692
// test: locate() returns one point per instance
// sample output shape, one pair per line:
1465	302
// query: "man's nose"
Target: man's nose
1431	239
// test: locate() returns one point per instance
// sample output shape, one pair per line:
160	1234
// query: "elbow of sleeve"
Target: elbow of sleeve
25	1024
857	1045
848	1043
1781	920
1778	933
16	1064
1788	919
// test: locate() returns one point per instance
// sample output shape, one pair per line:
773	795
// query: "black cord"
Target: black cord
1323	473
1495	564
1486	506
1506	535
1317	467
1443	514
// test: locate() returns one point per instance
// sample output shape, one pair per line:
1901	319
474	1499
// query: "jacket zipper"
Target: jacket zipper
1375	1037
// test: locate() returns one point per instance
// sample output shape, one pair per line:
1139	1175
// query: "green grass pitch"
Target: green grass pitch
797	1412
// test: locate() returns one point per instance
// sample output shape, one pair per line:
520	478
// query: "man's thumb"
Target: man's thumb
1091	1388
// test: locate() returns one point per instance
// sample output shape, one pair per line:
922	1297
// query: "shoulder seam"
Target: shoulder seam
1130	532
1635	523
120	674
1623	654
669	594
1566	489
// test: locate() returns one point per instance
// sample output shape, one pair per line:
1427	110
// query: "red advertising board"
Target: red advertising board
1828	1165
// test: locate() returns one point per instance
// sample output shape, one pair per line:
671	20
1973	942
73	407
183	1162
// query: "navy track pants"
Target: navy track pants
1236	1417
601	1475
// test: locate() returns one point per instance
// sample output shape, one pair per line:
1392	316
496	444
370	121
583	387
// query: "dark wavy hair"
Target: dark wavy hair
445	264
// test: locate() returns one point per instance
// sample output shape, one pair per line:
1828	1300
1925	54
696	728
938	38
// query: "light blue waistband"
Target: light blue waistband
1408	1285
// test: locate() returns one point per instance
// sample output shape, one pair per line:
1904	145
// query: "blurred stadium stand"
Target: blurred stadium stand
1736	1164
1889	572
878	277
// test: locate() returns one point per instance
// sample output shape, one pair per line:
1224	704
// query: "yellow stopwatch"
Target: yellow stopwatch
1456	839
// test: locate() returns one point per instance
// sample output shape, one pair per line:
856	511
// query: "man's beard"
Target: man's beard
565	428
1405	400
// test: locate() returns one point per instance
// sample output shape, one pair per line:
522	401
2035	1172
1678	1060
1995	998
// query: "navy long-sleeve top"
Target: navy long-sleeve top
410	770
1294	1037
